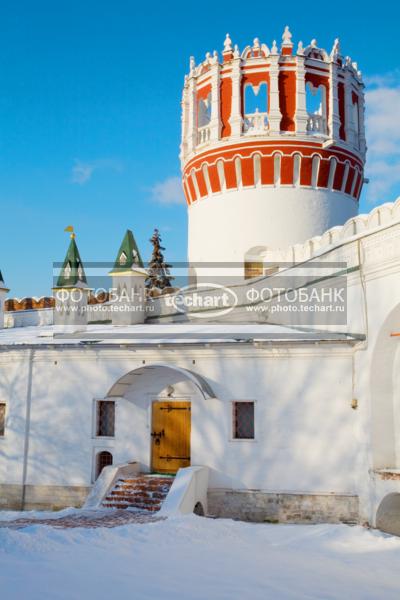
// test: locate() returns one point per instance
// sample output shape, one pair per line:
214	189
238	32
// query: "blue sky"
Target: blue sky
90	115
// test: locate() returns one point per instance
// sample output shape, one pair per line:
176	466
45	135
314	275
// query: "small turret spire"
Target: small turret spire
2	284
128	255
72	270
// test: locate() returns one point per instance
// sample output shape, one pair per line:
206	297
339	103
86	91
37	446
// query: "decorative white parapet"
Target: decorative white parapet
384	215
292	257
316	124
106	481
255	123
188	493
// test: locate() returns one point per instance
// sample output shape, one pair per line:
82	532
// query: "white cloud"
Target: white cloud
383	137
168	191
82	171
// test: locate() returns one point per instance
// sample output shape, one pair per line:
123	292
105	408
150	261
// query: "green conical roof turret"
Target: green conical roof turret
72	271
2	284
128	254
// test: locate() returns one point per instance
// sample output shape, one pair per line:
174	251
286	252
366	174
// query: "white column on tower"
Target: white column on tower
301	114
334	117
184	121
349	119
192	112
274	113
215	122
236	120
361	121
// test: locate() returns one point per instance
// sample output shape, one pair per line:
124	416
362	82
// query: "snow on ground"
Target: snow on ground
193	558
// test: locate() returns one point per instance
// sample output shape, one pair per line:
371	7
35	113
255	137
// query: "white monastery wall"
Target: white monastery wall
296	424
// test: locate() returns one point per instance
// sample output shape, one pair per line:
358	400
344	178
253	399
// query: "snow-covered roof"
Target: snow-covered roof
174	333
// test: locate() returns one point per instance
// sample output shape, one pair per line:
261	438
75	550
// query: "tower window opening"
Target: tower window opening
203	119
316	108
255	108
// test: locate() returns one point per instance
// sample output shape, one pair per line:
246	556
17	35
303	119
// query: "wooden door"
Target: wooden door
170	436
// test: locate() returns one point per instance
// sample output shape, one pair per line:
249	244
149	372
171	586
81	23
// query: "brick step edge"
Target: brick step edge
124	506
138	495
132	501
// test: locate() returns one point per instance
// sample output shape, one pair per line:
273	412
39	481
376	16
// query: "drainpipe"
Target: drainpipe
360	254
27	427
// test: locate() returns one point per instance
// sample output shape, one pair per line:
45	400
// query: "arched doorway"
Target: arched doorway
388	514
157	400
385	388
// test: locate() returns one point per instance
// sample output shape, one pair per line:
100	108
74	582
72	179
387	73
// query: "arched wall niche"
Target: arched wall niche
385	389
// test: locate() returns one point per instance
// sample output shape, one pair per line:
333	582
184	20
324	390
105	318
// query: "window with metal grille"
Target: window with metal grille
105	422
243	420
2	419
103	460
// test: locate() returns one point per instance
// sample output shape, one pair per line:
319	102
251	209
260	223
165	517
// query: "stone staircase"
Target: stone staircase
143	492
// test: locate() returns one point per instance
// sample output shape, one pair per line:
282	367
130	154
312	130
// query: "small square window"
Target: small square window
105	418
2	419
243	420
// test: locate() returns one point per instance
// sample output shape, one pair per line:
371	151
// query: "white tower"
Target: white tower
267	177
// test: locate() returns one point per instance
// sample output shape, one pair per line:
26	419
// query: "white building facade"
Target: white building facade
296	417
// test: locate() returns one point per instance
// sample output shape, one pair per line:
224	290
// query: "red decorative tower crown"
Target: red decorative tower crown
288	142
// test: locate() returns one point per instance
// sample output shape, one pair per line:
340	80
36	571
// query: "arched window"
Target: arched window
255	108
204	111
103	459
316	108
203	119
256	98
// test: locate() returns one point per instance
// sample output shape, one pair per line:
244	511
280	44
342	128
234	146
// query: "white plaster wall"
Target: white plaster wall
13	391
224	227
26	318
304	424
